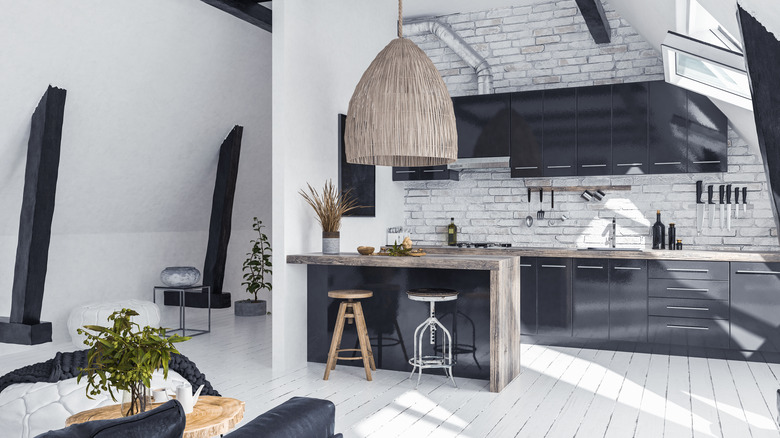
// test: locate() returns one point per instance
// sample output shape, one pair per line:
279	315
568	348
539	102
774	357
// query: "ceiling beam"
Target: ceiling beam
597	22
249	11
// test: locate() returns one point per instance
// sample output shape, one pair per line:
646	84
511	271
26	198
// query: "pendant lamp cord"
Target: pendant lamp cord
400	19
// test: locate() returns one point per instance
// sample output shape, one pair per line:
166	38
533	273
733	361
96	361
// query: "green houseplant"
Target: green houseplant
256	266
123	357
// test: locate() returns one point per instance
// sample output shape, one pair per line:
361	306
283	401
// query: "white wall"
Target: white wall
320	51
153	89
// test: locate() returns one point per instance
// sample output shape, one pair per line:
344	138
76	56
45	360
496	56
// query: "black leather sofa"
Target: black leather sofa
298	417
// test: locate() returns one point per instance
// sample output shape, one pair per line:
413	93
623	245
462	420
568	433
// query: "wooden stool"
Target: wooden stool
356	313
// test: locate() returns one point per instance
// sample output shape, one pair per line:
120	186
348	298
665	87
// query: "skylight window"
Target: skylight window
707	59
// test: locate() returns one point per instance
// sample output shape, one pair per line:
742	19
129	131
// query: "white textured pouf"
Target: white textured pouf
98	313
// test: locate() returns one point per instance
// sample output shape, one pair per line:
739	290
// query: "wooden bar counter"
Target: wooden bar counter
501	271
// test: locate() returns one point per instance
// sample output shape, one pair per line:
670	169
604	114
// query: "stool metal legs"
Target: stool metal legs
442	360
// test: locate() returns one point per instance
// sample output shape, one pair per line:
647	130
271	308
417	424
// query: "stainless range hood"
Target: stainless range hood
480	163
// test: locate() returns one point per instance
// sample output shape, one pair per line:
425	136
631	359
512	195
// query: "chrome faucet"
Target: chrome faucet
613	235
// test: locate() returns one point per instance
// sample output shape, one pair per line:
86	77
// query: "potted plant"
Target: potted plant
256	266
329	208
124	357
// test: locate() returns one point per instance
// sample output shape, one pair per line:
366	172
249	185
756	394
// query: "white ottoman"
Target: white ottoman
98	313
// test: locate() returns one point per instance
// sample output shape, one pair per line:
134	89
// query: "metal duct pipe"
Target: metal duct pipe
459	46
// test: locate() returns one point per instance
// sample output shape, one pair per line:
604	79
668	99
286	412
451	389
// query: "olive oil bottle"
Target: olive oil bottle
452	233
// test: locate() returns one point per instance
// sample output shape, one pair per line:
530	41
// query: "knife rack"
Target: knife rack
580	188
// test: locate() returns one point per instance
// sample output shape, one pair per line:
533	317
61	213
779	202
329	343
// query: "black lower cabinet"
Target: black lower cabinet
755	306
553	294
528	295
590	298
628	300
689	332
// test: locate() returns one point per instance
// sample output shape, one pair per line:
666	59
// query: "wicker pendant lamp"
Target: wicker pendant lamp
401	112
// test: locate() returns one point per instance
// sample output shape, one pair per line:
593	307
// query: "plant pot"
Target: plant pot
330	242
249	308
136	400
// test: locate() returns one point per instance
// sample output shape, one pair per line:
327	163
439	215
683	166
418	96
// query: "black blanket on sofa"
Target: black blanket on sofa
67	365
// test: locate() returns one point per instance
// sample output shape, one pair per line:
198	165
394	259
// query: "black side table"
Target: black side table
182	313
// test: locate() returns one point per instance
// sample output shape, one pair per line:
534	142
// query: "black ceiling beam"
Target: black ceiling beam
249	11
597	22
762	59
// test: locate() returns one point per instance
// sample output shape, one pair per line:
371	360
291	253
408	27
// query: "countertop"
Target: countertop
717	256
465	260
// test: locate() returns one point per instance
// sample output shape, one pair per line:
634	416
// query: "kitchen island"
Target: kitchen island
487	312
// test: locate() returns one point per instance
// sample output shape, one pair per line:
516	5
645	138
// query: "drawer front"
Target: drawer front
688	270
700	289
690	332
688	308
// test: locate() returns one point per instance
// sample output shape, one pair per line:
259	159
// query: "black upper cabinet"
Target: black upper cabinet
426	173
590	298
527	124
594	130
483	125
560	132
668	136
553	296
629	128
707	135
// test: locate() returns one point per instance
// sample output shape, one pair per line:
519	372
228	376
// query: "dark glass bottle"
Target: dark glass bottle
452	233
672	235
659	232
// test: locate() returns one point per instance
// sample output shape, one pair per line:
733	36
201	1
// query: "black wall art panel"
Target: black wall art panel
359	178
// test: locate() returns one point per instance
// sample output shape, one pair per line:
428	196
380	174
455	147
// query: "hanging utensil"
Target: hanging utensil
528	219
540	213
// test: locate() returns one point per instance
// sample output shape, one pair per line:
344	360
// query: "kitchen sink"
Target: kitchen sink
602	248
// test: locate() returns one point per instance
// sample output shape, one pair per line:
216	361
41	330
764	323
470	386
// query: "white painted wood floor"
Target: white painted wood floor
562	392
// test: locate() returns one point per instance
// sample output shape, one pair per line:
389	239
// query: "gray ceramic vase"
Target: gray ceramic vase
330	242
180	276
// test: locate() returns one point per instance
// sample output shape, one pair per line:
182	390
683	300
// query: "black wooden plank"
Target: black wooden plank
762	56
597	22
360	179
249	11
40	184
221	218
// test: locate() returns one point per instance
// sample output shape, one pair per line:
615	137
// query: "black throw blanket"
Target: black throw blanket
68	365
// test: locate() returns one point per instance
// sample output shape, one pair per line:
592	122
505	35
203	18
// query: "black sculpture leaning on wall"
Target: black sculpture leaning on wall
32	252
762	59
219	228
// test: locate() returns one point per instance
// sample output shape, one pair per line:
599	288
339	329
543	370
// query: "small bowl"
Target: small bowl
365	250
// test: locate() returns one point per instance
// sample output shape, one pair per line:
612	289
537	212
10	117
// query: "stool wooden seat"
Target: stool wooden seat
350	309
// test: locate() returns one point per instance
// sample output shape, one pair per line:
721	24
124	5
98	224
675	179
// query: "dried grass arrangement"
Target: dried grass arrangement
330	206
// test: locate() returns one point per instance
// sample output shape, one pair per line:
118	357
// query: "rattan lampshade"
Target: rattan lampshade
401	112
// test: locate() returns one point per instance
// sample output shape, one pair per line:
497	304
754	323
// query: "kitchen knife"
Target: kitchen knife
736	202
744	199
728	207
721	200
699	207
711	216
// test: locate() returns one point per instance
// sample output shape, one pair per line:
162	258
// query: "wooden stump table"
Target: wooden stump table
212	416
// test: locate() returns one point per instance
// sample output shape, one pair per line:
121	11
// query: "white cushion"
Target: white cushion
29	409
98	313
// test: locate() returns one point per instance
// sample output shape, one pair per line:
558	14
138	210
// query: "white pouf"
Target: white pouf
98	313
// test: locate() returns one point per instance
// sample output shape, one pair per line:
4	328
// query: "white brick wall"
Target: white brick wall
548	46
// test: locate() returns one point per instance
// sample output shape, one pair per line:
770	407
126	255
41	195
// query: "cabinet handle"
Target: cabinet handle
627	268
526	167
433	170
688	289
593	165
668	163
553	266
558	167
687	270
628	164
523	265
707	162
405	171
687	327
759	272
590	267
688	308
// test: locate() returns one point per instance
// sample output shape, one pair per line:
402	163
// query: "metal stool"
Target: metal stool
356	313
443	358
